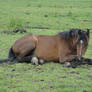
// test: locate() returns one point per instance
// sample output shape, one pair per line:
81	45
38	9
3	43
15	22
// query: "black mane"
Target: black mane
66	35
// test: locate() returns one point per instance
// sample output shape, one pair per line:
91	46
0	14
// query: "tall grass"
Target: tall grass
15	23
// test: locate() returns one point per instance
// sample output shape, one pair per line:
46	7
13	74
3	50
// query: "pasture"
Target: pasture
43	17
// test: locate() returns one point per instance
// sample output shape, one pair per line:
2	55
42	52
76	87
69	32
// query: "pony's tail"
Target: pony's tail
5	60
10	58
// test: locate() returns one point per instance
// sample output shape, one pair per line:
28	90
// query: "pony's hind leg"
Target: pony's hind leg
67	58
41	61
37	61
34	60
27	50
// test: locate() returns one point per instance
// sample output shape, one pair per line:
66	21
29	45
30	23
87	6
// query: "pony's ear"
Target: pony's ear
79	31
88	32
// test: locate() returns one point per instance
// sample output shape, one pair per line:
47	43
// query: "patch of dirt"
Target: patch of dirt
3	91
79	78
22	91
72	86
36	27
85	91
90	76
0	25
38	80
14	31
73	72
39	27
46	15
27	13
39	69
51	86
27	22
42	87
85	20
63	77
13	70
35	80
12	75
41	80
90	70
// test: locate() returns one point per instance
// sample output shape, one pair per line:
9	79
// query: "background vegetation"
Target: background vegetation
43	17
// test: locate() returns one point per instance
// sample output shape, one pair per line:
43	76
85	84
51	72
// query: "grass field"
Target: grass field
43	17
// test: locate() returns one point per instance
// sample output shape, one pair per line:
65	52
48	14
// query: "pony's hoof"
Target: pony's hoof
41	61
67	64
34	60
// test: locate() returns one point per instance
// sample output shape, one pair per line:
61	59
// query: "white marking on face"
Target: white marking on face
81	42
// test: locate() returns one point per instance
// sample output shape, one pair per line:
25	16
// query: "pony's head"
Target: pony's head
80	39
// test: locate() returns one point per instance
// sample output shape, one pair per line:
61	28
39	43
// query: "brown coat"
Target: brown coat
52	48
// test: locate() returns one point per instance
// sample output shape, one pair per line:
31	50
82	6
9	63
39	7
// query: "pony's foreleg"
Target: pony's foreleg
37	61
71	61
68	58
75	62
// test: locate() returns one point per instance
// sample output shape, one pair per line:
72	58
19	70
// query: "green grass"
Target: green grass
43	17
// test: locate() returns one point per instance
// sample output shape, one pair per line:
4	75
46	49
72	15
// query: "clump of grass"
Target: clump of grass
15	23
69	13
46	15
39	5
28	5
